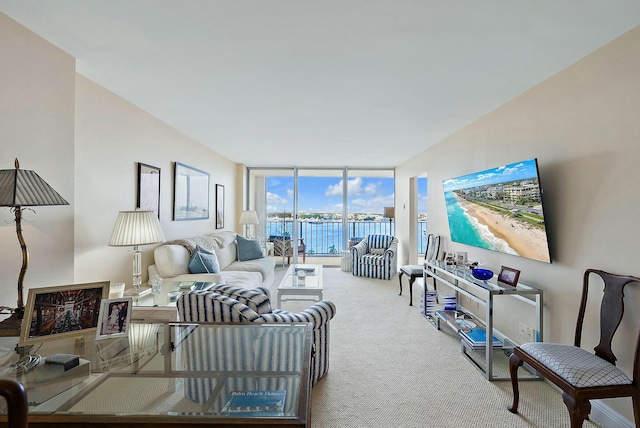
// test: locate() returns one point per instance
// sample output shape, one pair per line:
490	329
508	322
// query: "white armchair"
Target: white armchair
376	256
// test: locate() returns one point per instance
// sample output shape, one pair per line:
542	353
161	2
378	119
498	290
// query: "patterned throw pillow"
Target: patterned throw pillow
203	261
249	249
377	251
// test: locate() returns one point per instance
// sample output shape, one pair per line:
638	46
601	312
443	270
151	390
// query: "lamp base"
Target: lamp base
11	326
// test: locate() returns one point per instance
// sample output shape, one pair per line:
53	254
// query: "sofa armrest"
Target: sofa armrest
153	271
390	252
318	314
360	249
209	306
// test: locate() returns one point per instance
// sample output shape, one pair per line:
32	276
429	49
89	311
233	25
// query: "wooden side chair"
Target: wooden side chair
16	396
415	271
581	375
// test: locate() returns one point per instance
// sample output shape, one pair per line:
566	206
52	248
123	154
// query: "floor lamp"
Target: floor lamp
19	189
247	218
132	229
389	212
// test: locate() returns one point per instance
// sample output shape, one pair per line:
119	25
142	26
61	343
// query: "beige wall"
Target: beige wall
112	135
582	125
36	126
85	142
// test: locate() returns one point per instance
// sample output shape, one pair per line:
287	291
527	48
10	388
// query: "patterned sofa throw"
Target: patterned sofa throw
376	256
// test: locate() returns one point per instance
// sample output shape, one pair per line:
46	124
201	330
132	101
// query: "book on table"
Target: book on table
477	338
255	403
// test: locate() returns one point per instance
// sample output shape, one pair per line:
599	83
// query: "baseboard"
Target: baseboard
607	417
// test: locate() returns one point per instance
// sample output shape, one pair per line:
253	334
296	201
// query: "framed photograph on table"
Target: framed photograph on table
219	206
508	276
62	311
115	316
190	193
149	188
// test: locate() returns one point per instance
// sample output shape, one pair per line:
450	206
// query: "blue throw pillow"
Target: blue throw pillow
203	261
249	249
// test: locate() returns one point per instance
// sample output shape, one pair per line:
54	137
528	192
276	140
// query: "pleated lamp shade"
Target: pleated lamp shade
136	228
25	188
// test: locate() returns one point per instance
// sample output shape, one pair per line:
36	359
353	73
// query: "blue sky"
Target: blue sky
515	171
324	194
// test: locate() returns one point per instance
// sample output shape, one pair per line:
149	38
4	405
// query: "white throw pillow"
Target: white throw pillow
171	260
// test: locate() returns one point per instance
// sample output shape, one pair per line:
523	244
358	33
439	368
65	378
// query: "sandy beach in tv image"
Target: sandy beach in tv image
499	210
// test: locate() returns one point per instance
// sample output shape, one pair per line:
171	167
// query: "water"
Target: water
467	230
326	237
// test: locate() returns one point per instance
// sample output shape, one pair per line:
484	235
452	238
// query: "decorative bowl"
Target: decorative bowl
481	274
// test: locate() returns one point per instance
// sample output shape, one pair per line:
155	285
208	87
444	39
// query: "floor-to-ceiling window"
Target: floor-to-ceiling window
327	208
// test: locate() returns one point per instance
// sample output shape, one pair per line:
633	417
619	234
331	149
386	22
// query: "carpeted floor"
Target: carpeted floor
390	368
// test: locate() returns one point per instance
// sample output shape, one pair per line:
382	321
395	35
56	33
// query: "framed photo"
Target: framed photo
115	316
149	188
461	258
219	206
190	193
449	257
62	311
508	276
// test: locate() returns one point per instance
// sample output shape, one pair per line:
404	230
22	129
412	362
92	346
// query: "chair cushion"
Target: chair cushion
372	259
249	249
412	269
577	366
203	261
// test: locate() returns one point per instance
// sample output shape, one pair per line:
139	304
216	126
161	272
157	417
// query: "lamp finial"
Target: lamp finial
17	164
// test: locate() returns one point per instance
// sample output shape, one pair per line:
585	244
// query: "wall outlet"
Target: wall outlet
531	334
522	331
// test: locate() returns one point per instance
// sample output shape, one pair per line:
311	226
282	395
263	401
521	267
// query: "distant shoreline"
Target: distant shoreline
524	239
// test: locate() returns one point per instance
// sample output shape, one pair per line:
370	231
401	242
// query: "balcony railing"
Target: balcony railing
326	237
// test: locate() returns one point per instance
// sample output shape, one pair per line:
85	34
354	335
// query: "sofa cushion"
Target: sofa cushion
227	255
203	261
171	260
248	249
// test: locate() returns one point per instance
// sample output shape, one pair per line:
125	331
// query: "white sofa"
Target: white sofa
171	262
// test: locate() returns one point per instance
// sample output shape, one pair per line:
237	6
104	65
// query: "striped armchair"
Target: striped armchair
225	303
376	256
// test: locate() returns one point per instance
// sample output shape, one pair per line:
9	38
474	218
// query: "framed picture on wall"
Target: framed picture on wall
148	188
219	206
190	193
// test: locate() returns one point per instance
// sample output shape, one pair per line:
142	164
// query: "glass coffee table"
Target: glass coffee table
300	282
180	375
158	305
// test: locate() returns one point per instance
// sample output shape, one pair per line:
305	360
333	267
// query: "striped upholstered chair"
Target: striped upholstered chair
376	256
225	303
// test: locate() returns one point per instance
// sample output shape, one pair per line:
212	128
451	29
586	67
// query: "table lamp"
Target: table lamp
135	228
20	188
247	218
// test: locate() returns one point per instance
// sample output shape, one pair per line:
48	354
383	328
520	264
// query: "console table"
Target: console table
460	281
180	375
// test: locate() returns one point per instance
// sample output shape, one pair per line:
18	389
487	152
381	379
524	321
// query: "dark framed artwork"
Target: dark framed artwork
219	206
149	188
190	193
509	276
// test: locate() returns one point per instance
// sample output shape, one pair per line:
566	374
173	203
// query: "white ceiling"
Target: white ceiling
327	82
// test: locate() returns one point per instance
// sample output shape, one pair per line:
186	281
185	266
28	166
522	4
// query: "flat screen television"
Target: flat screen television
499	209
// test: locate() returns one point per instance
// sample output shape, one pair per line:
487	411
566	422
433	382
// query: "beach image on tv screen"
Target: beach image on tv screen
499	209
